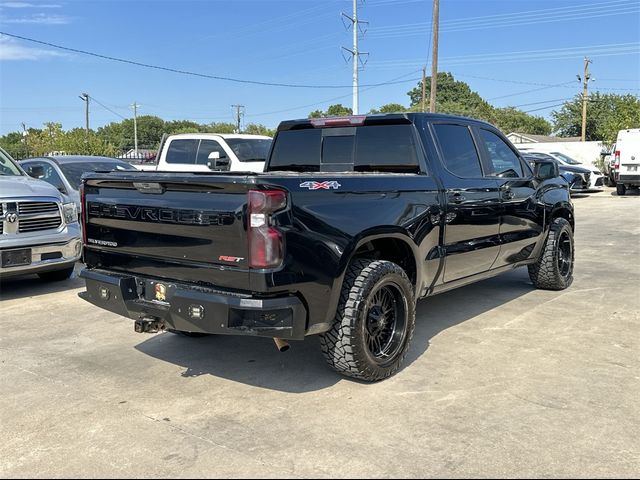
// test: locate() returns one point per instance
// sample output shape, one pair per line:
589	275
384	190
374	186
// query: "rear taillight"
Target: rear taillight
83	216
616	160
265	241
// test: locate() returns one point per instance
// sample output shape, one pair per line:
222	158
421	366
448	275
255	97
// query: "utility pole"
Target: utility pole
355	54
585	85
434	61
424	88
239	113
85	98
135	128
25	135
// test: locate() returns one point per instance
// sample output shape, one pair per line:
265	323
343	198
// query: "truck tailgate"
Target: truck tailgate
168	226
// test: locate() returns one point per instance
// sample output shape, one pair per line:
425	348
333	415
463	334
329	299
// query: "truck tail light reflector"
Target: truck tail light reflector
338	121
616	162
265	241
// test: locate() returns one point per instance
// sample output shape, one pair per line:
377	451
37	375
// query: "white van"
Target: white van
204	152
627	160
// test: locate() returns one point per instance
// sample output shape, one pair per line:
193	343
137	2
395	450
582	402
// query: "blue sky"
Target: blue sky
523	53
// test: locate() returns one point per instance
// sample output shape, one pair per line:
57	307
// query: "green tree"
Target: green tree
389	108
257	129
606	114
510	119
337	110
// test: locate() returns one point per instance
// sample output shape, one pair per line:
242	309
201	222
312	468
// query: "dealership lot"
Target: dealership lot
502	380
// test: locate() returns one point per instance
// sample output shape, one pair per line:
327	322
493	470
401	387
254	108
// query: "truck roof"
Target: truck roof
373	119
221	135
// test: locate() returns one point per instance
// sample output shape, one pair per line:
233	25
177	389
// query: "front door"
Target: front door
522	219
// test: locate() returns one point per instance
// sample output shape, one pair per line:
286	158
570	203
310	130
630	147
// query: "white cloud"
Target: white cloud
38	19
27	5
12	50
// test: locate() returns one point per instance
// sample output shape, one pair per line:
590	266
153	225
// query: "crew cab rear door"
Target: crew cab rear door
472	216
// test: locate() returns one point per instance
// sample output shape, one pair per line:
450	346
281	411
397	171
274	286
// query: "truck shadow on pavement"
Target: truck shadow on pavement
255	361
31	286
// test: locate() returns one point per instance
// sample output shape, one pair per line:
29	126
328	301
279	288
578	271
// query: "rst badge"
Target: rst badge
328	185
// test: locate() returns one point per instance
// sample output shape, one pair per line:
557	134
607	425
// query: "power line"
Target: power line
107	108
182	72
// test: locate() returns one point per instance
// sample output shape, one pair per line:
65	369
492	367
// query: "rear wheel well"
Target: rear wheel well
393	250
566	214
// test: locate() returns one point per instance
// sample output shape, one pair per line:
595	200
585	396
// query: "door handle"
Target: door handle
457	198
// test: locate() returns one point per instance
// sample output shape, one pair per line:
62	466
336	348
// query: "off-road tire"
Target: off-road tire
346	346
621	189
551	272
56	276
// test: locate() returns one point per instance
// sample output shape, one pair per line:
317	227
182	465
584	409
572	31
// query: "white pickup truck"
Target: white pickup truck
204	152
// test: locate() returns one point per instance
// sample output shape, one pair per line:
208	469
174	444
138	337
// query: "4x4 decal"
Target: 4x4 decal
332	184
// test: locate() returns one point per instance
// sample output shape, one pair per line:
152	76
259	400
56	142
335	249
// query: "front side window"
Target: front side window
207	147
49	175
504	161
458	149
182	151
250	149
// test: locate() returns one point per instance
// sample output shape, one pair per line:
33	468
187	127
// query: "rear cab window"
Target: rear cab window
366	148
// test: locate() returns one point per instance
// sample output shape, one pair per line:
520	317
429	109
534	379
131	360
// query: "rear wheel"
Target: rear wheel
554	269
56	276
374	322
621	189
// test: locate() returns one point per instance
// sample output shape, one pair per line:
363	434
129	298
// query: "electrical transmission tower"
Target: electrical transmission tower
239	114
355	52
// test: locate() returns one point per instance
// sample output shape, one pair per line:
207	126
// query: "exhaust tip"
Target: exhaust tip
281	345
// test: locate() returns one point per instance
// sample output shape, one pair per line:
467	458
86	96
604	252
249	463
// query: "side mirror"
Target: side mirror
215	162
545	170
36	171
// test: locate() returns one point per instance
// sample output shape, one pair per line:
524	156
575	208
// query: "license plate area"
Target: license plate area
158	291
632	168
16	258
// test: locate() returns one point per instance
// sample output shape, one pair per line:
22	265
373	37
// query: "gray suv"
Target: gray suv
39	232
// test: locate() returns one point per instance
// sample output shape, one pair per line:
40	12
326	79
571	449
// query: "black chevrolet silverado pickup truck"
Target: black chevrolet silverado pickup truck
354	219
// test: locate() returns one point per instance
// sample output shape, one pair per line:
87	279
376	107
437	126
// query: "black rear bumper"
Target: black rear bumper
196	309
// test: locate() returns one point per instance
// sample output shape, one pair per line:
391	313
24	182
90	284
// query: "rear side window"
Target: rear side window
388	147
504	161
297	150
182	151
367	148
460	154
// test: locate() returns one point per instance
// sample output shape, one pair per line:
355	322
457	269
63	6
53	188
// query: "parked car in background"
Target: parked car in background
627	160
596	178
206	152
64	172
39	229
578	178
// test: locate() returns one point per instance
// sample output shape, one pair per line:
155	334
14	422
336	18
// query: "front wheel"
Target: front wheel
374	322
554	268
